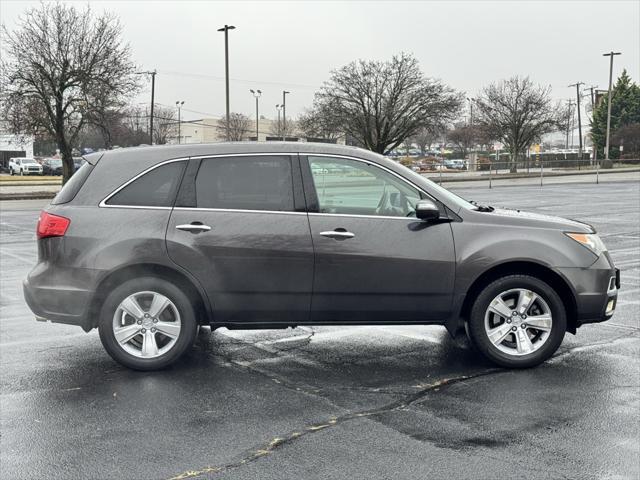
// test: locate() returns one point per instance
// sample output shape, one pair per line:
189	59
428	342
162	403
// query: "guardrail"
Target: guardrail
446	171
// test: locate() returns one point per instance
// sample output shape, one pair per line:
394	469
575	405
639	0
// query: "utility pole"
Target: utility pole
577	85
610	54
179	105
153	92
284	114
256	94
569	116
594	150
226	29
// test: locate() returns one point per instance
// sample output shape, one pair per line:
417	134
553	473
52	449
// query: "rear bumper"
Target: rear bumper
50	299
596	290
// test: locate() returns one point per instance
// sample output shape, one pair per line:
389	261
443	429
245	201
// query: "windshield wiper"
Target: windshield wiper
482	208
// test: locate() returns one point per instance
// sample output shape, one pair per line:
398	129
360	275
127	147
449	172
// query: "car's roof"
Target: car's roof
167	152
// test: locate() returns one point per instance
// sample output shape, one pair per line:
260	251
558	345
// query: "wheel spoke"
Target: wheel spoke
158	305
498	334
149	345
131	306
540	322
170	329
525	300
523	342
124	334
500	308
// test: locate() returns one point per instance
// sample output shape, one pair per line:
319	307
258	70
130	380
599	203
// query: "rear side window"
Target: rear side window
245	183
156	188
73	186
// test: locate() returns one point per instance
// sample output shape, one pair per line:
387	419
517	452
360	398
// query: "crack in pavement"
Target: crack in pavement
414	398
277	442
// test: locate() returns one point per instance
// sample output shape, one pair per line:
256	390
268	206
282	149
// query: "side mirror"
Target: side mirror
427	210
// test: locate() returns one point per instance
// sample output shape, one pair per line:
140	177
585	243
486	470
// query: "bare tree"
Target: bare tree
518	113
380	104
424	138
239	126
318	122
464	137
282	129
165	124
59	61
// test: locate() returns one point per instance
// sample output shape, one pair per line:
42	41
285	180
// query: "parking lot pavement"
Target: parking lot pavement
328	402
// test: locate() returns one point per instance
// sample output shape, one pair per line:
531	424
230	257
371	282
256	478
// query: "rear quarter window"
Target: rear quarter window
156	188
73	186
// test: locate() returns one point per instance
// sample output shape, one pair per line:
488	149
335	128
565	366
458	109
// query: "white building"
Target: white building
14	146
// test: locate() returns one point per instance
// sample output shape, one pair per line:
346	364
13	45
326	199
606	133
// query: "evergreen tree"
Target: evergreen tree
625	110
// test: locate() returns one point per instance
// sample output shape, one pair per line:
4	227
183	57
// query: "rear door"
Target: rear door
374	261
240	227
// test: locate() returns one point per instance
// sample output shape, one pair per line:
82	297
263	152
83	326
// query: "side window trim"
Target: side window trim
311	196
103	203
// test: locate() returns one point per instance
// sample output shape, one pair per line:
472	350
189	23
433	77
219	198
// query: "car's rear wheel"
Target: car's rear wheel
147	323
517	321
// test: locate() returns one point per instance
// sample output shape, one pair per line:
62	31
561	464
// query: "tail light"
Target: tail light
50	225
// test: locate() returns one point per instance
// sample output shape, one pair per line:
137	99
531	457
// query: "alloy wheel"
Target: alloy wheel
518	322
146	324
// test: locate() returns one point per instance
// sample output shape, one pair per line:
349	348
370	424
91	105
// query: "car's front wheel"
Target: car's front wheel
147	323
517	321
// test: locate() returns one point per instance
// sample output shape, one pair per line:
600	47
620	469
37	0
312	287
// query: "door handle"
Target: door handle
338	234
194	227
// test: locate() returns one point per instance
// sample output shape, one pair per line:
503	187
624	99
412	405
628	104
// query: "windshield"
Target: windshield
55	163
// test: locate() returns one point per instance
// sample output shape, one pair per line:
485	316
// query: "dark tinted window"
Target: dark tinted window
154	189
72	187
245	183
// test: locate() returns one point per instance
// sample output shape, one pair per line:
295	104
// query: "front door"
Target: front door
240	228
374	261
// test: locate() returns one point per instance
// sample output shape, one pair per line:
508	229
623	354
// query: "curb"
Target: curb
507	176
28	196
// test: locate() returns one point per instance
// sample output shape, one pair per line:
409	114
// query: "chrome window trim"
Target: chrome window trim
237	210
103	203
349	215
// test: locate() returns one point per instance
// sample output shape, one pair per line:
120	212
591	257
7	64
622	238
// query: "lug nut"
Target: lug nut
508	320
144	330
514	313
524	316
146	315
524	325
153	330
139	322
514	328
155	320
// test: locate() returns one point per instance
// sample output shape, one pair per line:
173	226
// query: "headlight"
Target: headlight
589	240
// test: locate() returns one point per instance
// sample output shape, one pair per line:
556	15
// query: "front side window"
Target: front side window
156	188
351	187
245	183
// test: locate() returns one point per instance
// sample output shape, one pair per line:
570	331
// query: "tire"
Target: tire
509	346
139	333
12	172
21	172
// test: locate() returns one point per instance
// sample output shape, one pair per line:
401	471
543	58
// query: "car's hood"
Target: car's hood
31	164
519	217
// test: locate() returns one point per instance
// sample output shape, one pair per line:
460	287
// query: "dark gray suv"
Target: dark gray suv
148	244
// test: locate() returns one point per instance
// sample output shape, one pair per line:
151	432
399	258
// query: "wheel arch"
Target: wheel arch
542	272
202	307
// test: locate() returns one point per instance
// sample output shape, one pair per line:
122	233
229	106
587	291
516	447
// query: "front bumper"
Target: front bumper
596	290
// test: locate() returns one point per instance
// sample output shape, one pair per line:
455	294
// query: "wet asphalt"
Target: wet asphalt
328	402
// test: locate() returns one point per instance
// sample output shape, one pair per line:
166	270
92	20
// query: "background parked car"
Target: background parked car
77	163
24	166
52	166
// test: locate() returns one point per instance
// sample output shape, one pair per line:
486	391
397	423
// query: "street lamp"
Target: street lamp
256	94
226	29
284	114
179	106
278	108
153	92
610	54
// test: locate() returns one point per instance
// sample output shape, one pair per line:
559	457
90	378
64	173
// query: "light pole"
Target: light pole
226	29
179	106
610	54
284	114
278	108
256	94
577	85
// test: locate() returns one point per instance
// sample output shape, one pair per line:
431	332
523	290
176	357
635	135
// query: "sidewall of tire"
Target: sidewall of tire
478	335
189	326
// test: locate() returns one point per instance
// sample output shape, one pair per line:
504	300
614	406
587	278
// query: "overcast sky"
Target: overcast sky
294	45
